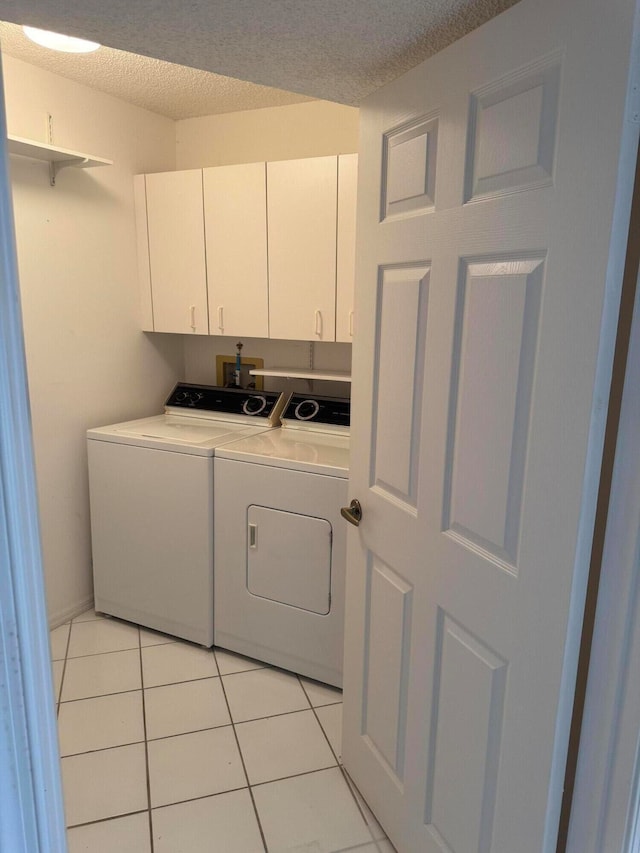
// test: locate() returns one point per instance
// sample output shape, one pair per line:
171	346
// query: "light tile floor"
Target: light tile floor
170	748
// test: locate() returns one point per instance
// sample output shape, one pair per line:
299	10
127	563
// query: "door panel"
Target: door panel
409	171
492	230
512	131
463	764
385	704
402	297
494	354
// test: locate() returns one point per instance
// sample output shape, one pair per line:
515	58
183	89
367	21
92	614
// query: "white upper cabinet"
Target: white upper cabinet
302	210
175	226
346	254
263	250
235	213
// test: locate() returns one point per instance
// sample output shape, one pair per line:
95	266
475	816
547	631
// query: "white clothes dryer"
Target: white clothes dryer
151	495
280	548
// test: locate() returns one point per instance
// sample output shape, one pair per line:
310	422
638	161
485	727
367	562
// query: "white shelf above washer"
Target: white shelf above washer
303	373
58	158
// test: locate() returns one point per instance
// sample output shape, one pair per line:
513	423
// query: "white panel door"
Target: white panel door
346	249
494	194
235	213
175	224
302	209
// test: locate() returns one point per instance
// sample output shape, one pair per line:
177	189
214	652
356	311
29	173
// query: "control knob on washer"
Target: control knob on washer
307	409
254	405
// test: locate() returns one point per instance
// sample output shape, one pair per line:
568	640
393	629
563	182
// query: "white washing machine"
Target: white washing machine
280	547
151	493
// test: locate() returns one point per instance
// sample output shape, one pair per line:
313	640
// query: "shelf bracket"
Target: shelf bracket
56	165
52	166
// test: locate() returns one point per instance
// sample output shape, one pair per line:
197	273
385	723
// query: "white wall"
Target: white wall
87	360
313	129
201	352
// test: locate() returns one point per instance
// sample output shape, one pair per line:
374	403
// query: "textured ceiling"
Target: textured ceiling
171	90
339	50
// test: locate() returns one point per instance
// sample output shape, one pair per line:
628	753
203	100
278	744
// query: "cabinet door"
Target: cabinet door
175	223
142	243
235	213
346	268
302	208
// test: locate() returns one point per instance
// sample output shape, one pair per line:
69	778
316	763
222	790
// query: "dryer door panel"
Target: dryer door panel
289	558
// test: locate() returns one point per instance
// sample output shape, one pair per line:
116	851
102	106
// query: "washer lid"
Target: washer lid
297	449
199	436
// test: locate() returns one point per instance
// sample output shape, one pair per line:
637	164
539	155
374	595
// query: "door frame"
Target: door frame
31	811
605	808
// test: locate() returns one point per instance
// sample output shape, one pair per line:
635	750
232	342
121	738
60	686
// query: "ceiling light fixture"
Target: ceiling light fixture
56	41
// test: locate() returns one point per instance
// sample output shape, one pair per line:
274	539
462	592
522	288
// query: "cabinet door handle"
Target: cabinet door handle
319	323
220	318
351	324
253	536
193	318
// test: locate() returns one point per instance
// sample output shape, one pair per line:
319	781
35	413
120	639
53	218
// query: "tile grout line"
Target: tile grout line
146	745
194	731
100	695
197	799
339	762
191	731
249	786
64	668
244	768
337	758
333	752
103	749
107	819
229	791
173	683
326	736
281	714
110	652
218	794
294	776
352	788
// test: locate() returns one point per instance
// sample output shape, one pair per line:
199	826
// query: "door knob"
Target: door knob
353	512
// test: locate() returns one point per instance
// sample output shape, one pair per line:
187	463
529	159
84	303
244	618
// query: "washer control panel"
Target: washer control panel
333	411
231	401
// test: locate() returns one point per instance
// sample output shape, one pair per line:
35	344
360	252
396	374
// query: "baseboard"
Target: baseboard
65	615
